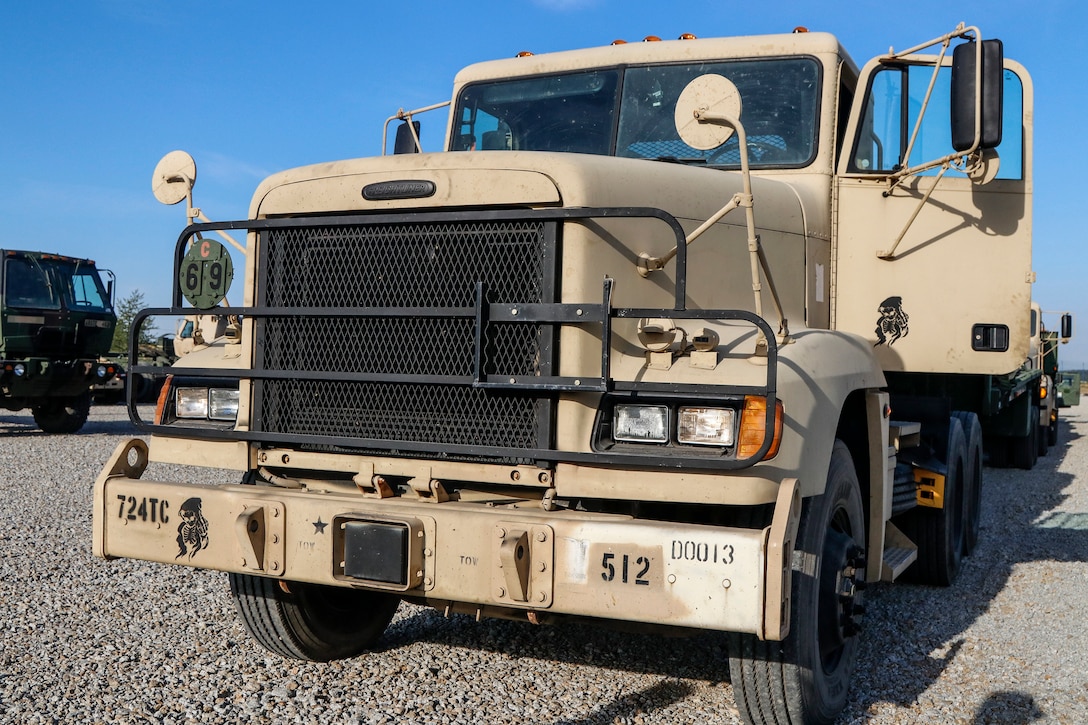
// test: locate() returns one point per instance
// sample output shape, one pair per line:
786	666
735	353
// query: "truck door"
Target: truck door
933	247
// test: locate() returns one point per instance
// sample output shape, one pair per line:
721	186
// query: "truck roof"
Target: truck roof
750	46
43	255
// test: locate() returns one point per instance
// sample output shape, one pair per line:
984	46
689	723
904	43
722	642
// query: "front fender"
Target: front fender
817	372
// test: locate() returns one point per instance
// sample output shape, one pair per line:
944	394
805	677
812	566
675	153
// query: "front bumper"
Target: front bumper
41	377
514	557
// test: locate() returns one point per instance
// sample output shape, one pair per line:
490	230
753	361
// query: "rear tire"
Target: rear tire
940	533
806	677
310	621
63	415
972	477
1025	450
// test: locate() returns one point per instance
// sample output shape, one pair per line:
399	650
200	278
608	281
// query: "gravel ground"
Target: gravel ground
84	640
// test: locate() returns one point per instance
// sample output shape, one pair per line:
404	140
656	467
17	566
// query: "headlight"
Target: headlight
101	371
725	428
191	402
706	426
20	370
222	404
206	403
641	423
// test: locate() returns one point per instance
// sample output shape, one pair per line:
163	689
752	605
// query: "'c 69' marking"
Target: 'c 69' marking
145	509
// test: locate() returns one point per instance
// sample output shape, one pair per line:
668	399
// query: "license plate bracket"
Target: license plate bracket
383	553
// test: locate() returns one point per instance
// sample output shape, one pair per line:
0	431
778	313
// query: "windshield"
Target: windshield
577	112
47	283
27	285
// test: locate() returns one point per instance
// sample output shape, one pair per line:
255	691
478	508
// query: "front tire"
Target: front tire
63	415
310	621
805	678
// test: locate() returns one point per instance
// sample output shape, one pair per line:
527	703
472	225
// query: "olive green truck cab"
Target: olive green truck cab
689	335
56	320
1068	389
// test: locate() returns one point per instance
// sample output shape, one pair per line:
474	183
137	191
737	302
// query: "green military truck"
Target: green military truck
1068	389
1019	411
56	320
686	335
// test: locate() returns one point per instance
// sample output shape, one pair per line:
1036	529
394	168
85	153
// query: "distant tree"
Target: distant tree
127	309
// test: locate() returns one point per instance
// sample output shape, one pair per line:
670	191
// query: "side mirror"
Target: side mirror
1067	327
701	109
967	83
405	143
174	177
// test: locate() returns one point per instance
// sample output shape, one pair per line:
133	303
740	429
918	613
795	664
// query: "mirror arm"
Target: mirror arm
230	240
402	115
647	264
925	101
889	255
193	213
961	31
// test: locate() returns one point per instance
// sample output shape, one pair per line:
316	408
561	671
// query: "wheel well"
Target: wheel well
853	430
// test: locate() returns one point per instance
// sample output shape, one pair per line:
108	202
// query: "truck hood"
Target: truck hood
520	178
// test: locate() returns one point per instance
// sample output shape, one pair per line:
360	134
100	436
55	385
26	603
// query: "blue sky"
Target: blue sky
95	92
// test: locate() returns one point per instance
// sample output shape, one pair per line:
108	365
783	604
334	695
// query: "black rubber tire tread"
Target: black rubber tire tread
1052	433
939	533
972	477
784	683
1042	441
63	415
309	621
143	385
1025	450
997	451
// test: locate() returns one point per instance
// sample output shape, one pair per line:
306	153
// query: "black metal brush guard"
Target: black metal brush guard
483	315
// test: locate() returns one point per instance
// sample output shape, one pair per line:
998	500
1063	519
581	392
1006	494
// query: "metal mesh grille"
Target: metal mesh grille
404	265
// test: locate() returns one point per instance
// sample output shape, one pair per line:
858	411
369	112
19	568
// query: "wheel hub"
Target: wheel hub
842	579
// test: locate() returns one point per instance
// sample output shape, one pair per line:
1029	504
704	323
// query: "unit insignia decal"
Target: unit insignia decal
193	529
892	323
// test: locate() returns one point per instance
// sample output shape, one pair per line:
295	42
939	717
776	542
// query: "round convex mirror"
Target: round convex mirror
707	94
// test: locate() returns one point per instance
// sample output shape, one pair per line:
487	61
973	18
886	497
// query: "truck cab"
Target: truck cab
627	349
56	320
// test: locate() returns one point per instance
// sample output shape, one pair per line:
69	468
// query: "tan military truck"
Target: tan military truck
692	335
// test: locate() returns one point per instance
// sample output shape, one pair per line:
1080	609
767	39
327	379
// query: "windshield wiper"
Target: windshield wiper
688	160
